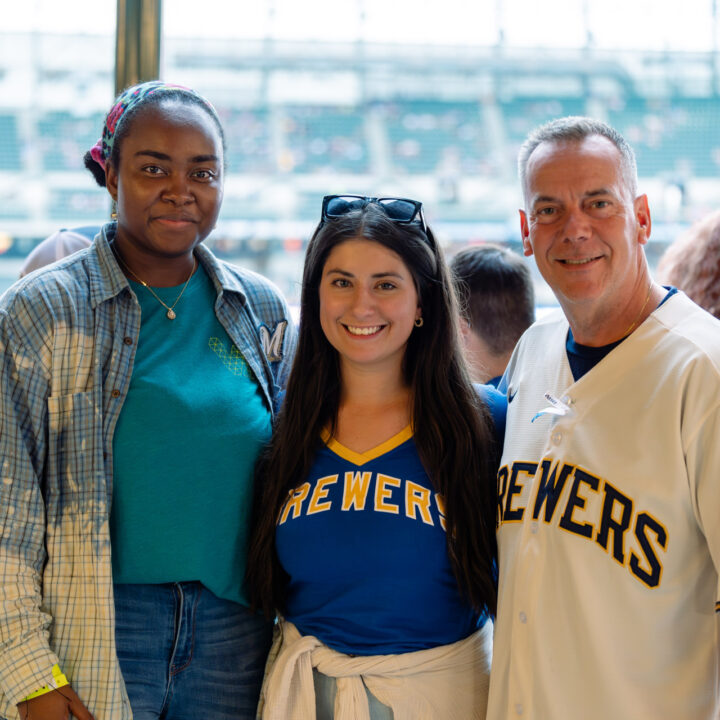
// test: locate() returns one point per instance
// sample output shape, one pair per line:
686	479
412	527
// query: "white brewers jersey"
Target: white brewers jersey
609	534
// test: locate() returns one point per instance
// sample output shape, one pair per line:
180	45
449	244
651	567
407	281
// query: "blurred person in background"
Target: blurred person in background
374	521
140	378
57	246
497	305
692	263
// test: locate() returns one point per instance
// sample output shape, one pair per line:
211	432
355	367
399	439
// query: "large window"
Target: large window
433	102
56	81
428	101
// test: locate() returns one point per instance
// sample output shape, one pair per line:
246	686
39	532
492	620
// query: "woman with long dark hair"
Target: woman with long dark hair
374	523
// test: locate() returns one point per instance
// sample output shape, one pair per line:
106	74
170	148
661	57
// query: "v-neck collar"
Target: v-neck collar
362	458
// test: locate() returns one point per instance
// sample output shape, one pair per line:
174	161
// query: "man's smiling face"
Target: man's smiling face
582	224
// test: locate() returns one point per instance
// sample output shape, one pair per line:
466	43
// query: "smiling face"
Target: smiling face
169	183
368	304
583	226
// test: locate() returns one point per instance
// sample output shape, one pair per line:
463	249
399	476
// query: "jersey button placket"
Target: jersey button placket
520	680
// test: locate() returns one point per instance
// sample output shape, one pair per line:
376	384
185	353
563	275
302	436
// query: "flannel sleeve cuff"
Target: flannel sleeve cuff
59	680
27	667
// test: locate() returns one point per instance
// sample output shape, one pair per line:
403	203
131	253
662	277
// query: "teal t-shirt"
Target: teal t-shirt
184	448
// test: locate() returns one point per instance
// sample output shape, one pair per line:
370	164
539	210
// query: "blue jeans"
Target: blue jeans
187	654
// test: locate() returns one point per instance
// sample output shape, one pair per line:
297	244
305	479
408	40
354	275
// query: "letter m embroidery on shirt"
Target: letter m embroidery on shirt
272	344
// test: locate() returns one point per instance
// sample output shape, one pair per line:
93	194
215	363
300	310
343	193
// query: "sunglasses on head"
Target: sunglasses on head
399	210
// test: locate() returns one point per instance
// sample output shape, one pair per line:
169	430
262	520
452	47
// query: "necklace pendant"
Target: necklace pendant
171	314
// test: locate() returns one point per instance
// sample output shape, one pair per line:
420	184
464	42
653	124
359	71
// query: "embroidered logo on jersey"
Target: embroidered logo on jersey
273	344
358	491
570	498
232	360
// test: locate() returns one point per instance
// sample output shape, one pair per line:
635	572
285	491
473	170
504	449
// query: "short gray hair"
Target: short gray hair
575	128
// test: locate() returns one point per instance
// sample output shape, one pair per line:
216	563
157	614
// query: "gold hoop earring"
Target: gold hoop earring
419	322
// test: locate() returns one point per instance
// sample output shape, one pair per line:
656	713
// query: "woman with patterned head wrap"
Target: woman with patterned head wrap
139	380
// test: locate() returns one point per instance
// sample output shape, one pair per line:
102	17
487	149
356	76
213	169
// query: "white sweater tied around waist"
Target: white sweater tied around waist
448	681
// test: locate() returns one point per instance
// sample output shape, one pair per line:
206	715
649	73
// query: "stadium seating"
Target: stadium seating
65	138
447	141
672	137
10	158
77	206
247	134
428	136
324	139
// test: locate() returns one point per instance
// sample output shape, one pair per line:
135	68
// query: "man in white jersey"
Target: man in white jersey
609	485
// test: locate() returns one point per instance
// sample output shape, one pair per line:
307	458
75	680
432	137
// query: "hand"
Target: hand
56	705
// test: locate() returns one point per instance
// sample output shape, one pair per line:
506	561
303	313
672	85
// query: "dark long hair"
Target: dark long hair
451	425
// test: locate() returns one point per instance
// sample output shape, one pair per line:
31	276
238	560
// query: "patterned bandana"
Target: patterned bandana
101	151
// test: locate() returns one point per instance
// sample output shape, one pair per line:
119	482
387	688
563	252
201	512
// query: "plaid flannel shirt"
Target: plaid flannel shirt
67	342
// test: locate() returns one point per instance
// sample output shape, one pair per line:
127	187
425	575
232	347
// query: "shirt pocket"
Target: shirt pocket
74	442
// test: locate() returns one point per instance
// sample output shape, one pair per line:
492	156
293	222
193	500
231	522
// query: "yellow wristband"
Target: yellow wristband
59	680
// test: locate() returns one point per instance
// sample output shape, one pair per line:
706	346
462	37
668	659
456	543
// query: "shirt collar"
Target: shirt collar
104	274
222	278
107	279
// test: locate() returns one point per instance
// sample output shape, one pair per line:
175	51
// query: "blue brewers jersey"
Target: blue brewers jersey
363	541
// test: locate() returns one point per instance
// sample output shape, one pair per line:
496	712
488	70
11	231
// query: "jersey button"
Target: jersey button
557	438
534	527
523	617
519	708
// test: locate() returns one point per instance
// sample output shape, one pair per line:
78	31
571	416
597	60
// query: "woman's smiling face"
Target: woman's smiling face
368	304
169	184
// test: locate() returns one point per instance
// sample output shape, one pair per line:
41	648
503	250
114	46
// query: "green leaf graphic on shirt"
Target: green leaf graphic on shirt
233	360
